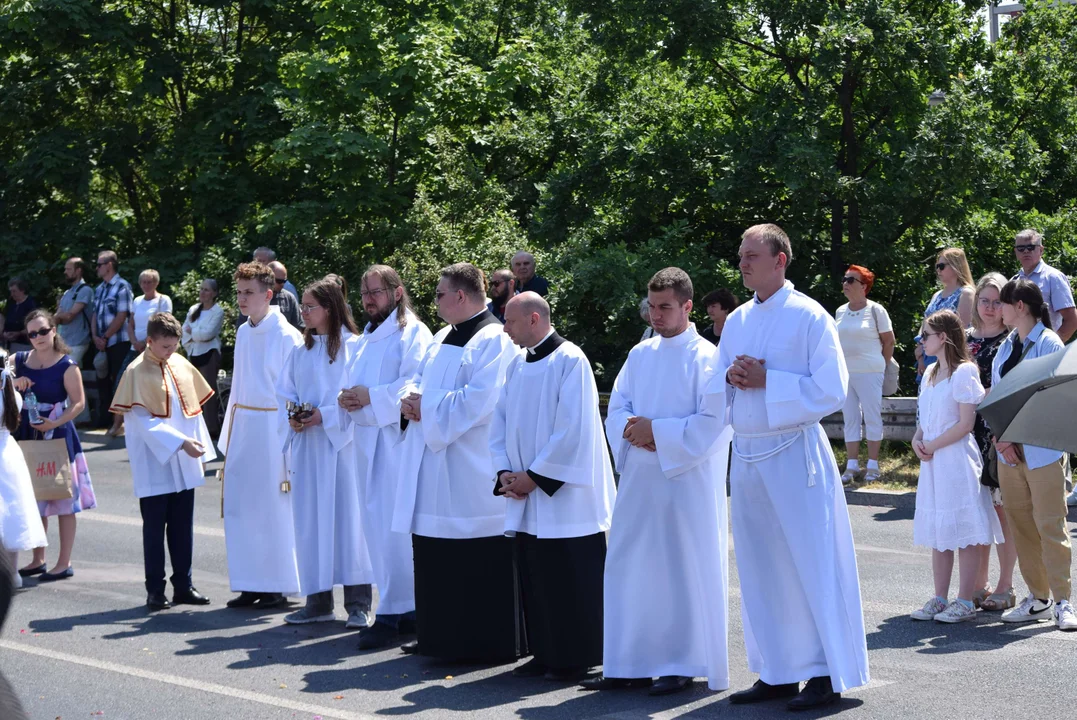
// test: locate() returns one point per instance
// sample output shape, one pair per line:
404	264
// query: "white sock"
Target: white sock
873	464
852	465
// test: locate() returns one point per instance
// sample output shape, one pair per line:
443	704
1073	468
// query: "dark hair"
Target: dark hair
328	294
163	325
198	308
722	297
465	276
775	238
955	348
21	284
11	410
339	280
110	257
674	279
256	271
1028	292
391	280
58	343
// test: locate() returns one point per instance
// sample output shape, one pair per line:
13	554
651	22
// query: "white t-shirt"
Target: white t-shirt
145	309
858	331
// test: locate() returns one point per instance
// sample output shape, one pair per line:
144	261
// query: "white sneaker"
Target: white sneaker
1071	499
931	608
849	476
358	620
1030	610
1065	616
305	617
956	612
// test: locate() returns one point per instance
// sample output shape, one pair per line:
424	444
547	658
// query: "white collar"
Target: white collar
480	312
531	350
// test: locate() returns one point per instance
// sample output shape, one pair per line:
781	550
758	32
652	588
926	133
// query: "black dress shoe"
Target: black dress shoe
30	572
606	683
157	601
270	600
818	692
761	692
53	577
377	636
670	684
244	599
568	675
411	648
190	596
530	669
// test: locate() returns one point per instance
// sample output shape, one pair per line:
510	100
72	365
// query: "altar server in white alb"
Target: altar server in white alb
550	453
386	358
320	463
466	605
258	528
784	371
666	612
161	397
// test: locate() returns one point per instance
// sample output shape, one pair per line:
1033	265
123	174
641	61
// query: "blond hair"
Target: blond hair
955	258
990	280
151	274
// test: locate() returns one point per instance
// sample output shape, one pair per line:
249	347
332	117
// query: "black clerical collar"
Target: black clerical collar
460	334
545	348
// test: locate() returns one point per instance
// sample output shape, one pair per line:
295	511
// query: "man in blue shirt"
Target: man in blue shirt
76	308
112	304
1053	283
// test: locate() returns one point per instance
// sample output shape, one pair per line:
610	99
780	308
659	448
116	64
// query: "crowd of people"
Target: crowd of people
476	458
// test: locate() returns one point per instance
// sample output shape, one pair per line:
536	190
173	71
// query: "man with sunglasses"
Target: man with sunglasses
502	288
1053	283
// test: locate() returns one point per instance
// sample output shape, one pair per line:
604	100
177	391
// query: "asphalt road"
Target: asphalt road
87	647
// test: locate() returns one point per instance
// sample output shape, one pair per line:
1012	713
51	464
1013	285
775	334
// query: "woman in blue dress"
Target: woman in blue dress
958	289
56	381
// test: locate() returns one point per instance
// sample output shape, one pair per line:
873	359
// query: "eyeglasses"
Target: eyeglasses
438	294
308	308
280	281
497	283
925	335
103	262
940	266
995	304
38	333
1025	248
849	280
368	294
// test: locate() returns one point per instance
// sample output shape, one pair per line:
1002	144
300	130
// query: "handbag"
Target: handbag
893	369
50	468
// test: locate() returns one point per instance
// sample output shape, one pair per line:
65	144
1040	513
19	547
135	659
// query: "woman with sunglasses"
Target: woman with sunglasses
958	290
867	341
56	382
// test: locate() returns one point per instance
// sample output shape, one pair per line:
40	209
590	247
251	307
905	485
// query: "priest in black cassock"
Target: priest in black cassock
466	604
549	448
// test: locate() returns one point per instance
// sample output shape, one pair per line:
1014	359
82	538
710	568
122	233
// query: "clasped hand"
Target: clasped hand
747	373
300	424
639	433
1008	451
923	450
354	398
411	407
516	485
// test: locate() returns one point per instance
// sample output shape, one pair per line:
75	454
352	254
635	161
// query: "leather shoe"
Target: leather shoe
30	572
157	601
62	575
607	683
190	596
377	636
818	692
530	669
761	692
244	599
411	648
269	600
569	675
669	684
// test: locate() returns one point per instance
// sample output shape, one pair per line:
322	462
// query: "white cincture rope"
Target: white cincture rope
796	431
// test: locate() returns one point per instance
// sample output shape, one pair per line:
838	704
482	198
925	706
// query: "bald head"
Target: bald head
280	273
523	267
527	319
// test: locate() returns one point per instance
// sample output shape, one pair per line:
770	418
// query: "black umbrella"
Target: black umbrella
1035	402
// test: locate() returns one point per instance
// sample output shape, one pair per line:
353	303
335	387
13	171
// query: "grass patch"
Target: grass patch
898	464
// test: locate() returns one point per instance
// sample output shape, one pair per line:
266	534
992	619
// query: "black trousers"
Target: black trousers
168	516
106	388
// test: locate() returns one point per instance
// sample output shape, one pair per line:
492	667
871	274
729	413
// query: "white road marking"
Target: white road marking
237	693
137	522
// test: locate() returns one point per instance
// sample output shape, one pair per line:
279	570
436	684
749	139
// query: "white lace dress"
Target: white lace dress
20	521
953	510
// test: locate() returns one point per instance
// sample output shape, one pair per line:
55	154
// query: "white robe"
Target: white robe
259	535
666	608
547	421
155	448
330	546
794	543
446	474
20	521
385	362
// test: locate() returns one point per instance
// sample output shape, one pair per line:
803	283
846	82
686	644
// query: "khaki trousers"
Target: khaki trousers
1035	503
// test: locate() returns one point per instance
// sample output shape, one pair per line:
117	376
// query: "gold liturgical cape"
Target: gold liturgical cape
144	385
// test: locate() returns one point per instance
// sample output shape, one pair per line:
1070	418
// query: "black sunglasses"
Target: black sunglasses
1025	248
849	279
38	333
279	281
940	266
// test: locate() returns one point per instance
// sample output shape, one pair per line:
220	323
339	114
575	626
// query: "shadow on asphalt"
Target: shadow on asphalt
933	638
891	514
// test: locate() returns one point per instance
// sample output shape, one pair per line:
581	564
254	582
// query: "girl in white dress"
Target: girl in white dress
953	510
20	522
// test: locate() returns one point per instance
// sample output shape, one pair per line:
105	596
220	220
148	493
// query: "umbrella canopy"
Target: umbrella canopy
1035	402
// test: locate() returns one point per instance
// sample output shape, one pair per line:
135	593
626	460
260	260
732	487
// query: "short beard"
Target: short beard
377	318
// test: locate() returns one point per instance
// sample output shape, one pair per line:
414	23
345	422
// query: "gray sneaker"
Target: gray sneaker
956	612
306	615
931	608
358	620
